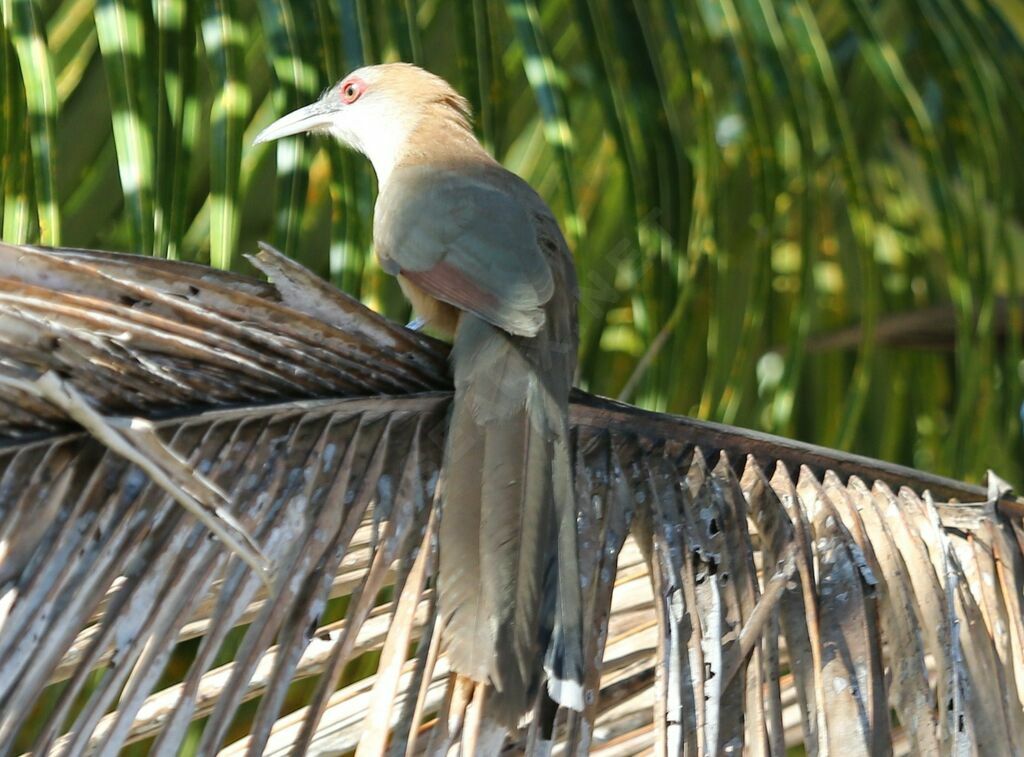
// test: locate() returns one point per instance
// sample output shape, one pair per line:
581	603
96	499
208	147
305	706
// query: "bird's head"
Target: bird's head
377	110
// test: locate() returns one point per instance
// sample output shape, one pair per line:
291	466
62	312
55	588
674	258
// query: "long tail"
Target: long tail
508	575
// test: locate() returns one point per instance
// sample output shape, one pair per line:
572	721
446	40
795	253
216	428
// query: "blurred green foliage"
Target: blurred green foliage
736	177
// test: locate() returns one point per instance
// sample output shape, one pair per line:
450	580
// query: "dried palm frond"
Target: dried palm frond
742	592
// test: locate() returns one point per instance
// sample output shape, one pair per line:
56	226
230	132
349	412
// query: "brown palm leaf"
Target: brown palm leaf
743	592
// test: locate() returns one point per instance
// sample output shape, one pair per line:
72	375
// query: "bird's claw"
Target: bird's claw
416	324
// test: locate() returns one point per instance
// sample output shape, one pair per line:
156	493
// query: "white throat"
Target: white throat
379	130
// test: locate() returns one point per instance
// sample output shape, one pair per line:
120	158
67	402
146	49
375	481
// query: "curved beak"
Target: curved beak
314	117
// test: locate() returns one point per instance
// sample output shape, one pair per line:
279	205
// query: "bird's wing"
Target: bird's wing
465	242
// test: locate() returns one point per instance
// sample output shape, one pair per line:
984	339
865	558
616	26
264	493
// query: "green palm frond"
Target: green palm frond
23	20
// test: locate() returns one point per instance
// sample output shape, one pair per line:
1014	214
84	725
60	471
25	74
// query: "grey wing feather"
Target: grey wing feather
466	243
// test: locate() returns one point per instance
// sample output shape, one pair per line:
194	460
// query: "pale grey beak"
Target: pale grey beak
311	118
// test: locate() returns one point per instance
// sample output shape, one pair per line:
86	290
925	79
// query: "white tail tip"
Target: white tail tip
567	693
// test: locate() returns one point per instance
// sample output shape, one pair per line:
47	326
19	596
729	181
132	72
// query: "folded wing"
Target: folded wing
465	242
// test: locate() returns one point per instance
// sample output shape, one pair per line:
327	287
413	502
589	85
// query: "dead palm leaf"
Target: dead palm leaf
744	592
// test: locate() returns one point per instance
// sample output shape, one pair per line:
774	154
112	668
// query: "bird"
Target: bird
482	260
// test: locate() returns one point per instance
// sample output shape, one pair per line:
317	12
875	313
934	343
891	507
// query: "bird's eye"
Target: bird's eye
351	91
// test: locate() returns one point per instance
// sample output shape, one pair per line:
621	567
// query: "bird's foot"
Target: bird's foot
416	324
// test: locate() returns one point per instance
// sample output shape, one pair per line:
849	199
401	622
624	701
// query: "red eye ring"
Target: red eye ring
350	90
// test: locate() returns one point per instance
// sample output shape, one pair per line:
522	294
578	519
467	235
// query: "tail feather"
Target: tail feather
564	659
515	522
466	609
508	574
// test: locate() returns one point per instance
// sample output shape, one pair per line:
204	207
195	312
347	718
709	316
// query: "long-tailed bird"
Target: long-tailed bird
481	258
